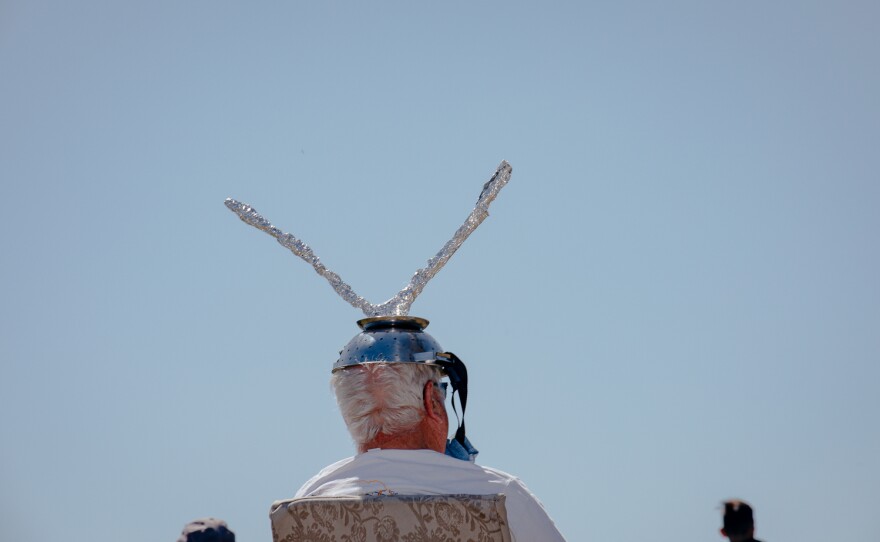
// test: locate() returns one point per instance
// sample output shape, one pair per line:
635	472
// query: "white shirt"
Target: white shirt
426	472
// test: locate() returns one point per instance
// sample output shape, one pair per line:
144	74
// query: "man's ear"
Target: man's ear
429	398
722	531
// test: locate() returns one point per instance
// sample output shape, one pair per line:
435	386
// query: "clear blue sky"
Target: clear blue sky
675	301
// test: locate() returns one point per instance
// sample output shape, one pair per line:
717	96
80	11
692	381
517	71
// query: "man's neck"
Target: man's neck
411	440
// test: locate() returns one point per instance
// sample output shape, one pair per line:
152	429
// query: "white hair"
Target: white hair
381	397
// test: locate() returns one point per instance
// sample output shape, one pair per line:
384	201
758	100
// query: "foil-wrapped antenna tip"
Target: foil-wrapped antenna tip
398	305
495	184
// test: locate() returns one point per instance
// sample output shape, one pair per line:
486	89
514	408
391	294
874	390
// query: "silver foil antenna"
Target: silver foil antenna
400	304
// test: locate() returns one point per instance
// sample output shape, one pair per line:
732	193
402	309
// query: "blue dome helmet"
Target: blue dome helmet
402	339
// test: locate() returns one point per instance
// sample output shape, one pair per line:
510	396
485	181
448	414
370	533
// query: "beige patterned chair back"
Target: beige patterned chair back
396	518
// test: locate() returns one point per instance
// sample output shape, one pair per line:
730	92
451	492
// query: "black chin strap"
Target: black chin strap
457	373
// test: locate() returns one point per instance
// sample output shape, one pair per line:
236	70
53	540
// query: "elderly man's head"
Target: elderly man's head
393	405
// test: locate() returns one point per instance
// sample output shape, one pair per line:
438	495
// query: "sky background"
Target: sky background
675	301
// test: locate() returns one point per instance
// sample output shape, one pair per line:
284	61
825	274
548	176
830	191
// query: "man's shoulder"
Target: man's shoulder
323	474
418	470
332	467
432	459
500	474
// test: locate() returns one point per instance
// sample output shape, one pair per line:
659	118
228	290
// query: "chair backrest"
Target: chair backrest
391	518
